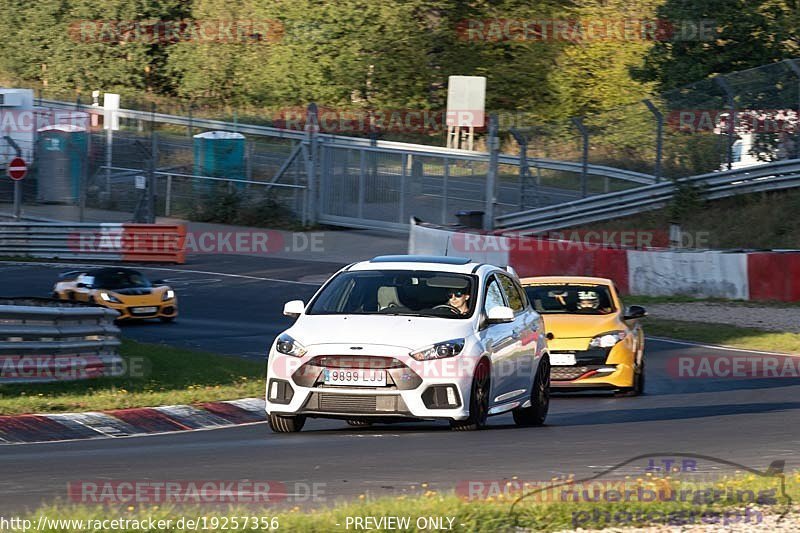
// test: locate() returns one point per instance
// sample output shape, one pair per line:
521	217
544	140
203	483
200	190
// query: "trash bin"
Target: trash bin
470	219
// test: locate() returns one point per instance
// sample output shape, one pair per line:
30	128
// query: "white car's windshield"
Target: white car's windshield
397	292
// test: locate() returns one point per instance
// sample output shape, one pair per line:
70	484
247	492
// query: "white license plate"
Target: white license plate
354	377
144	310
562	359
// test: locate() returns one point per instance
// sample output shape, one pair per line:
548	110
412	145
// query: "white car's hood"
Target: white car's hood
404	331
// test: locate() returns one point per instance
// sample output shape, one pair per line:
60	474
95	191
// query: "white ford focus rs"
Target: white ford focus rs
411	337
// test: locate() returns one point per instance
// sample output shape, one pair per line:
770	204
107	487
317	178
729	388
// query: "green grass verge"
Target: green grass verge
651	300
490	515
724	334
159	375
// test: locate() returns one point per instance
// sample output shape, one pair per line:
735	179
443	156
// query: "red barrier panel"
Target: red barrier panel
538	257
774	276
154	242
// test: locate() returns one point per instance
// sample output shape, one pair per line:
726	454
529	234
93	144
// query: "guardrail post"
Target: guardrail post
723	84
659	136
578	121
524	170
151	179
796	69
362	171
403	173
312	128
491	174
168	197
445	189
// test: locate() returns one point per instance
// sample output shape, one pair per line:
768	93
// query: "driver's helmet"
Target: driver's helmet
588	300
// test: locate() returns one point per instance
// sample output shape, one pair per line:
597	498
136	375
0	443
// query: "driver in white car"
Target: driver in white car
459	299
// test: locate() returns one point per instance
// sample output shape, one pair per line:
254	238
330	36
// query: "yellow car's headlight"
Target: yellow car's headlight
607	340
106	297
169	294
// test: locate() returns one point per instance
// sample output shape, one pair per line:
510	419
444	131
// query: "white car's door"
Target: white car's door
523	330
499	341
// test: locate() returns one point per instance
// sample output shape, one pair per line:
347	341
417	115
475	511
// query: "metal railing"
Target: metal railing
99	242
715	185
47	340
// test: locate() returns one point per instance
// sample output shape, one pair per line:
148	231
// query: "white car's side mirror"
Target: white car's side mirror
294	308
500	314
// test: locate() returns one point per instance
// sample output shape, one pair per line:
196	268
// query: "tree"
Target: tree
738	34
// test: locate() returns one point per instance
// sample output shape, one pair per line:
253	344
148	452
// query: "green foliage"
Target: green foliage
693	154
688	199
226	205
742	34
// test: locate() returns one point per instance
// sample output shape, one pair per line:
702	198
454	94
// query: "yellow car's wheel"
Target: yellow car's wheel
638	381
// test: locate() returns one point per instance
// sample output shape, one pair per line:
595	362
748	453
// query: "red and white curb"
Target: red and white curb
20	429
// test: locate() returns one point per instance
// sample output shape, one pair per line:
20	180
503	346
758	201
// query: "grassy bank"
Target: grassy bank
156	375
648	300
755	221
724	334
490	514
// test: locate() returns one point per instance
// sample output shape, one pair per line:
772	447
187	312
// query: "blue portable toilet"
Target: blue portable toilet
62	154
219	154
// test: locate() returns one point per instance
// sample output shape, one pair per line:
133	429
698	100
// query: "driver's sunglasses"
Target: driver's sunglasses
457	294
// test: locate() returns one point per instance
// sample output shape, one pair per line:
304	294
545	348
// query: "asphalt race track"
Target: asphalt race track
748	421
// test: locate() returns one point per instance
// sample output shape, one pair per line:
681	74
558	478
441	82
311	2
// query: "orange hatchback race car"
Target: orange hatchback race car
593	343
125	290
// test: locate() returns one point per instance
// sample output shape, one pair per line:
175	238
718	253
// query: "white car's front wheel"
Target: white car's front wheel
478	401
286	424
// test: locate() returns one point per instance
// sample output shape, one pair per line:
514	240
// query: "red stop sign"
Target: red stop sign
17	168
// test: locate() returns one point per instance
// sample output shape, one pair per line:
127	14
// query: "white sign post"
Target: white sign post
110	124
466	101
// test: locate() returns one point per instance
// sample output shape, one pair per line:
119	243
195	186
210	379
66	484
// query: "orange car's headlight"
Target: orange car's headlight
169	294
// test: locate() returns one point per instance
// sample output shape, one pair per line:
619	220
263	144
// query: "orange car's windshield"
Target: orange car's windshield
121	279
571	299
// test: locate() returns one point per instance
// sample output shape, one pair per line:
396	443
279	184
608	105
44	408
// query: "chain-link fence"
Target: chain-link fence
688	131
236	167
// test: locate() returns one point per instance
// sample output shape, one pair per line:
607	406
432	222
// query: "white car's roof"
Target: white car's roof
460	265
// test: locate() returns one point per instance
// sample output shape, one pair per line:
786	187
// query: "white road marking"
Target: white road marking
165	269
718	347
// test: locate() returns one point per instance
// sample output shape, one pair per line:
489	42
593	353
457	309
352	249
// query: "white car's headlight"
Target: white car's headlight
607	340
169	294
288	346
440	350
110	298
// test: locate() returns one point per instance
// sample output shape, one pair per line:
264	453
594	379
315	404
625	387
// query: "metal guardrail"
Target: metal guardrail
94	242
715	185
49	340
342	141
